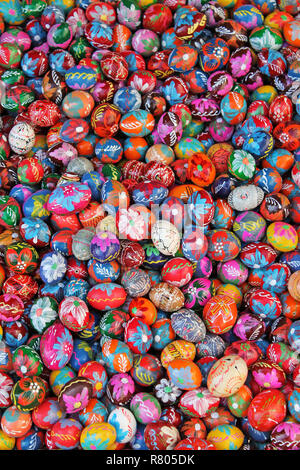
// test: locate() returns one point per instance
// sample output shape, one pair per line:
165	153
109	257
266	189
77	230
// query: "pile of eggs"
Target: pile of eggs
150	224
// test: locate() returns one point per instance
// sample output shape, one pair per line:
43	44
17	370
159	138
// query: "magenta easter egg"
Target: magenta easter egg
69	198
56	346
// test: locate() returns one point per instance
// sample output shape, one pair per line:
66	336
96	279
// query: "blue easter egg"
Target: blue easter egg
109	150
103	272
248	16
94	181
259	144
61	60
154	259
21	192
127	99
54	290
212	345
32	440
81	77
294	335
105	247
82	353
53	268
61	242
291	259
77	288
259	436
35	231
92	332
34	205
162	332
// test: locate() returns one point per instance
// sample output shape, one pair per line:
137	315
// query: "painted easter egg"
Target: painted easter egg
286	436
120	389
267	409
106	296
223	245
138	336
59	377
65	434
165	237
282	236
136	282
15	423
179	349
117	355
98	436
177	271
226	437
197	293
268	374
199	402
145	407
69	198
233	370
138	123
184	374
47	413
56	346
166	297
220	314
75	395
161	436
74	314
239	402
187	325
28	393
124	422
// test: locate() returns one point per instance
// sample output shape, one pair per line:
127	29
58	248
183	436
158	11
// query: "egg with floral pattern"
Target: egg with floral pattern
56	346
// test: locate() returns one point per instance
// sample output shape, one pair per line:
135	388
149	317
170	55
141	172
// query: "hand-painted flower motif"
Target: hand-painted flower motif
53	267
167	392
77	402
43	313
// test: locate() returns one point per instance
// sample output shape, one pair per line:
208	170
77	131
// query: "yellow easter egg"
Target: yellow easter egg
227	3
226	437
266	93
282	236
277	18
179	349
98	436
6	442
232	291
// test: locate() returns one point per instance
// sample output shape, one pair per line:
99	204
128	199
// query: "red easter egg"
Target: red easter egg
74	313
161	436
44	113
6	385
177	271
11	307
114	66
105	120
268	374
247	350
194	443
220	314
65	433
267	409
